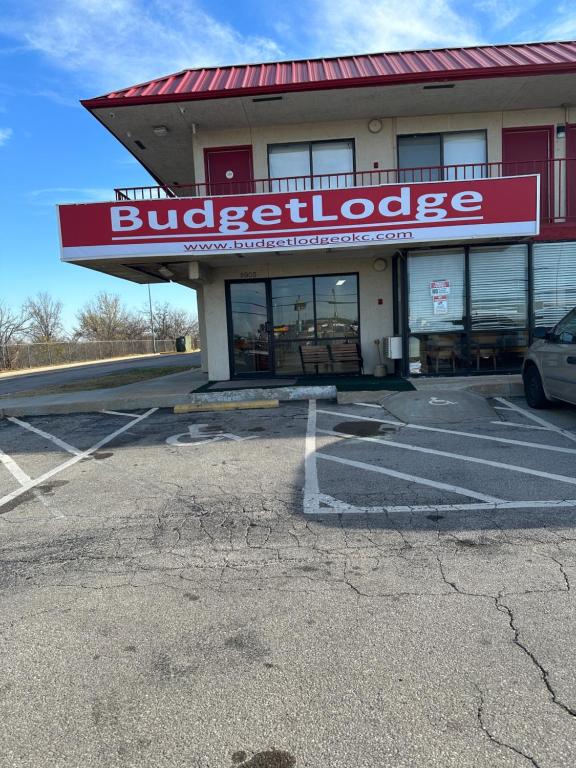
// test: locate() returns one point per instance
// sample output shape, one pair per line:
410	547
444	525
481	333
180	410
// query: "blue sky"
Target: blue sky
55	52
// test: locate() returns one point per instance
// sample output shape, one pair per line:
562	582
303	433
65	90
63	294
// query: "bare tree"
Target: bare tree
12	327
105	318
171	322
45	316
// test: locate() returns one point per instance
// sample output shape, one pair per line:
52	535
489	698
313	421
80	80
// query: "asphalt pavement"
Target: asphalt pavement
35	381
317	586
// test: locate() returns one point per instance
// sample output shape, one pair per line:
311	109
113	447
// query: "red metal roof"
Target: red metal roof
349	71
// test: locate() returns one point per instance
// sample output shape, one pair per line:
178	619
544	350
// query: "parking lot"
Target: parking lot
319	585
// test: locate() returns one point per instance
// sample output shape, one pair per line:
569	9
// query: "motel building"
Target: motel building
425	199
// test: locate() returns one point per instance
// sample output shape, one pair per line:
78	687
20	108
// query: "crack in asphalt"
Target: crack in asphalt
225	542
493	738
544	674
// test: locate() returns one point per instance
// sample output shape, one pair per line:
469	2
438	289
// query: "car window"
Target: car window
565	331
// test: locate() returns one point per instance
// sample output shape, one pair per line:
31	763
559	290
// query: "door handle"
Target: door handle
571	360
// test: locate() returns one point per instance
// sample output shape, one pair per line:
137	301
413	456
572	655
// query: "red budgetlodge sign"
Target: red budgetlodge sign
316	219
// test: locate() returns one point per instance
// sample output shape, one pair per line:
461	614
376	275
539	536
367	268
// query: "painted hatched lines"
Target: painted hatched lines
52	438
79	455
538	419
460	457
14	469
319	503
521	426
403	476
472	435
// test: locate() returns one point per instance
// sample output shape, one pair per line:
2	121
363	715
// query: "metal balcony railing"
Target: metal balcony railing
557	183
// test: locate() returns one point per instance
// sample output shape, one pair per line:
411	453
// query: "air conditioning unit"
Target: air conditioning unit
392	347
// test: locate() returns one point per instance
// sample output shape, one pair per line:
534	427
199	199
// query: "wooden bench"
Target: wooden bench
347	353
317	355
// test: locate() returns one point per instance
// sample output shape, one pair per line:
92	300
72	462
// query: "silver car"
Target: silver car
549	370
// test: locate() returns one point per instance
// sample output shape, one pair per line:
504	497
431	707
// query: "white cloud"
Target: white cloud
52	195
562	28
5	135
502	13
117	43
357	26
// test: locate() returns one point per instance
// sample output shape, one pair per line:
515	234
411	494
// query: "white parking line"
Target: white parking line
14	469
341	508
74	460
458	456
523	443
120	413
521	426
311	489
410	478
53	439
538	419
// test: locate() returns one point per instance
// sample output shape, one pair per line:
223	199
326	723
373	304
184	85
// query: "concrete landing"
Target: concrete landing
438	406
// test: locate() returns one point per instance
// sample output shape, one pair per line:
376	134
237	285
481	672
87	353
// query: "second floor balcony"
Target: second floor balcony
557	185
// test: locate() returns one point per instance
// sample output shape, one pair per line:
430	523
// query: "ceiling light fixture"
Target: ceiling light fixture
165	272
268	98
160	130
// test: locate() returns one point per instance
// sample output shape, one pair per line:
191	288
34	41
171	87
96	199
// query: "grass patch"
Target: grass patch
107	381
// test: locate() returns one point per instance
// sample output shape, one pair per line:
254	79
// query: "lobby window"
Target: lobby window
554	281
435	156
294	167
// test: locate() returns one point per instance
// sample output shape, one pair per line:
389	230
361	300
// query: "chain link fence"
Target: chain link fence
17	356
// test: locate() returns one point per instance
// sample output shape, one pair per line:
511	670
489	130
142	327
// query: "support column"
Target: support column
202	329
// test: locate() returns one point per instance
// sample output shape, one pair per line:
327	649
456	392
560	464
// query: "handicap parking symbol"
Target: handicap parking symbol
440	401
201	434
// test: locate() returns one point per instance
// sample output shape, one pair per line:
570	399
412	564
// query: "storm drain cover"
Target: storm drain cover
365	428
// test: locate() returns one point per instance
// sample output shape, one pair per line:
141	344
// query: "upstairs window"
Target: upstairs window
435	156
311	165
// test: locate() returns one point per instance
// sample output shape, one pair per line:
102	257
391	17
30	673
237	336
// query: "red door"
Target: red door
530	150
229	170
571	174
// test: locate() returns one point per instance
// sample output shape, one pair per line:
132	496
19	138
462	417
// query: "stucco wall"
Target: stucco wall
378	150
373	151
375	319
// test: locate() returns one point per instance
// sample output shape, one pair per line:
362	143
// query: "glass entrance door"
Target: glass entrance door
250	328
271	322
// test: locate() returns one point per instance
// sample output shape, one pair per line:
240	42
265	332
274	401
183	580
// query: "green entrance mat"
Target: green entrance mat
342	383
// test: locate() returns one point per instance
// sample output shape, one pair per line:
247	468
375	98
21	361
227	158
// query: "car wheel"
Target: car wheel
533	389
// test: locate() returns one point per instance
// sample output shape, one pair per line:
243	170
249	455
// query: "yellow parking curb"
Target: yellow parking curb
227	406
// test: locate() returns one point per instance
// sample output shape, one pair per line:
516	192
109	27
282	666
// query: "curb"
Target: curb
511	386
170	401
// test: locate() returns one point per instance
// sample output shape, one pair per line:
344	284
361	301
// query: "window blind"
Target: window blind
554	281
499	287
424	270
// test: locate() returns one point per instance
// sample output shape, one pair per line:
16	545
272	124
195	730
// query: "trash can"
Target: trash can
181	344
